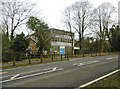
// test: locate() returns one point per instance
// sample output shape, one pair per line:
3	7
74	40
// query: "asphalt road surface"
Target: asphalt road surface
72	73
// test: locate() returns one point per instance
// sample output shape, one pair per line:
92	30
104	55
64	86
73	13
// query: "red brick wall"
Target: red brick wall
33	46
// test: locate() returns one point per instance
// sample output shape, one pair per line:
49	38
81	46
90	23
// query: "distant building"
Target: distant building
61	41
119	12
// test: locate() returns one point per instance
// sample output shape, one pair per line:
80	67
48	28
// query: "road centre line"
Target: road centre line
32	75
91	82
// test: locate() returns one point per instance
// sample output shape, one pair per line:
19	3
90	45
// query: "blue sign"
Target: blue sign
62	51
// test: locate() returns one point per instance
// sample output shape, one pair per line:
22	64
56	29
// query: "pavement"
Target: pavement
72	73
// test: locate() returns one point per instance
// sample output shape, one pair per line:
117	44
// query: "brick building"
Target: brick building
60	43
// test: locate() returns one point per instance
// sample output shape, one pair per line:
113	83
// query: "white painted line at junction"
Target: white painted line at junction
109	58
32	75
54	68
14	76
31	72
27	72
91	82
86	63
23	67
81	64
92	62
74	64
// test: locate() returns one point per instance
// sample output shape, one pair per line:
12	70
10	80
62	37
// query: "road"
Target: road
72	73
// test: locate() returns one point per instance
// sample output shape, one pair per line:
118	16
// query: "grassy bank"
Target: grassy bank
46	60
111	82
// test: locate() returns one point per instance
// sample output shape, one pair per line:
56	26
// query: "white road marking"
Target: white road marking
5	76
31	72
14	76
81	64
27	72
74	64
109	58
73	60
36	70
91	82
54	68
97	61
32	75
86	63
23	67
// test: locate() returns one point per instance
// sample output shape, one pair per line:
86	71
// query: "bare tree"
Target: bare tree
81	16
68	23
14	15
102	19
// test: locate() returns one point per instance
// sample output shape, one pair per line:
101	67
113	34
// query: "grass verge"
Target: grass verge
46	60
111	82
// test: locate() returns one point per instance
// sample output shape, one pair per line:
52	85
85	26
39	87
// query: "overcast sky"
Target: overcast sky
51	10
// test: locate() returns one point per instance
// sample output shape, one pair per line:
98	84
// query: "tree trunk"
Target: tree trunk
14	61
80	46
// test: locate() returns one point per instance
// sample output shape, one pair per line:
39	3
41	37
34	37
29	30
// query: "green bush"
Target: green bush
7	56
